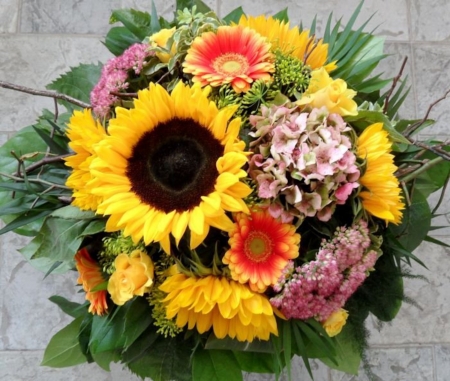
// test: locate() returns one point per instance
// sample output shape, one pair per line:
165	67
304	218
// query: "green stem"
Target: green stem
423	168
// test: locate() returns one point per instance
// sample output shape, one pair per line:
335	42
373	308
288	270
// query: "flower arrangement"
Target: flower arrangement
231	193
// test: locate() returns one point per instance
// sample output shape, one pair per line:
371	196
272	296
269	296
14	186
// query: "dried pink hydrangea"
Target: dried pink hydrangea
302	162
115	77
320	287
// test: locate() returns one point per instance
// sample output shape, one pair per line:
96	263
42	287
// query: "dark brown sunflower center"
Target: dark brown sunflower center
174	164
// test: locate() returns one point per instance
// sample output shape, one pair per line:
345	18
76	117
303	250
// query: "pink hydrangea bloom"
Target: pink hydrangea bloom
303	161
115	76
320	287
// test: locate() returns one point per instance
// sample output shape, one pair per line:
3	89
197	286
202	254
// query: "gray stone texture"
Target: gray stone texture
41	39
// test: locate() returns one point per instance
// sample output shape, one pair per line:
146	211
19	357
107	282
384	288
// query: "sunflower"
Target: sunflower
234	54
381	192
260	248
84	132
291	42
229	307
91	278
170	163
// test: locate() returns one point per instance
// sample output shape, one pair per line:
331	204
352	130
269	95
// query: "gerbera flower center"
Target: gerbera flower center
258	246
174	164
231	64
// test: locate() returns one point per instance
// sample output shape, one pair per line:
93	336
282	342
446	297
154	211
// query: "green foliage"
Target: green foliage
199	5
234	16
64	348
137	22
119	39
77	83
70	308
215	365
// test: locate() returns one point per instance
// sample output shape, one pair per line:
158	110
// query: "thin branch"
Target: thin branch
394	84
422	169
42	162
123	95
44	93
37	181
413	127
435	149
441	197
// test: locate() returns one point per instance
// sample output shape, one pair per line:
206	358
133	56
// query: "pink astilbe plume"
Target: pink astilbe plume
115	75
320	287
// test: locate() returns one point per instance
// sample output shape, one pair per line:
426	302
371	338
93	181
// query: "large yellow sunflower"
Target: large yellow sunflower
291	42
84	132
381	192
170	163
227	306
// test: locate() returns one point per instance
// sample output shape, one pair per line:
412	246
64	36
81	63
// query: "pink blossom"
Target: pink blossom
322	286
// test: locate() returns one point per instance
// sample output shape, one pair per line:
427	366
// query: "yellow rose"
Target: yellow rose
133	276
331	93
159	40
334	324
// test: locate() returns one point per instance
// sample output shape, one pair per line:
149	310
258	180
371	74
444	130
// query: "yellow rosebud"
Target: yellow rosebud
331	93
159	40
133	276
334	324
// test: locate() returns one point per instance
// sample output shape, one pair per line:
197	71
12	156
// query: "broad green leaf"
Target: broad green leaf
64	349
60	238
45	265
24	220
137	22
255	362
348	356
234	16
215	365
70	212
389	284
77	83
104	359
137	319
227	343
54	146
415	224
119	39
140	346
94	227
165	359
155	25
70	308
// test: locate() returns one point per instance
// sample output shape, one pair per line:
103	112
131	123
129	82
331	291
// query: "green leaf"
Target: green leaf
54	146
24	220
348	356
70	308
60	238
94	227
436	241
77	83
70	212
104	359
165	359
415	224
227	343
389	281
118	39
282	15
155	25
189	4
234	16
137	319
255	362
135	21
215	365
64	349
107	331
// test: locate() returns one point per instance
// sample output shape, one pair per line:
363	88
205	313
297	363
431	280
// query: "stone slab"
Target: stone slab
9	11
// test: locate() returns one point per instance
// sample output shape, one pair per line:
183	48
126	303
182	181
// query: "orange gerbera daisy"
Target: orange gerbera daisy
260	248
291	41
233	54
91	277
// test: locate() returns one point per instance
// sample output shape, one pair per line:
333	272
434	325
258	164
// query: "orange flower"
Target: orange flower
260	248
234	54
91	277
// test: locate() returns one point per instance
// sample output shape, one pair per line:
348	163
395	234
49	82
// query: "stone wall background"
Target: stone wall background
41	39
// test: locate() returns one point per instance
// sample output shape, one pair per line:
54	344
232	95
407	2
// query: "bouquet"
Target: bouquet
232	192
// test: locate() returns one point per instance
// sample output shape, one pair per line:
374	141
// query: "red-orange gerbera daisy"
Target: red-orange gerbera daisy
260	248
233	54
91	277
